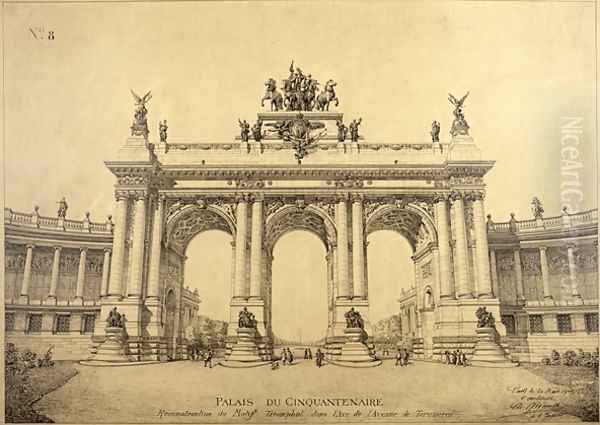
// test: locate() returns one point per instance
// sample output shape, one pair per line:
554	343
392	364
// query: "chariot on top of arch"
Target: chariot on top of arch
300	93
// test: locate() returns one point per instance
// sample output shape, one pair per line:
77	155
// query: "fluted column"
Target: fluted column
27	274
51	299
545	274
494	273
441	213
484	287
118	256
81	275
572	270
358	249
463	289
342	250
232	268
105	270
134	286
519	275
240	252
256	245
154	268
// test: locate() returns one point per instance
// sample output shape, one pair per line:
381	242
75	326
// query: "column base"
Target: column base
465	296
112	349
77	301
24	299
245	351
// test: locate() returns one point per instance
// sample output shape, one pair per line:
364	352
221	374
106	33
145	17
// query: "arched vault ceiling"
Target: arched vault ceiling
296	219
400	220
193	222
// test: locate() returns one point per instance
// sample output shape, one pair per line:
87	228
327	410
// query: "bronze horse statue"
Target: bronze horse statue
273	95
327	96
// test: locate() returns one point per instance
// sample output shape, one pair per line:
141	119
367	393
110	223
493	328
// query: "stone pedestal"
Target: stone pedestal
487	352
111	350
245	352
355	352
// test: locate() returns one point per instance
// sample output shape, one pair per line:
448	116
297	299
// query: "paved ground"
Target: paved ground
186	392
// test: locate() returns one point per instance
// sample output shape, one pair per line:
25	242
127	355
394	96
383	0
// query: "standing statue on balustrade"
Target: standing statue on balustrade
62	208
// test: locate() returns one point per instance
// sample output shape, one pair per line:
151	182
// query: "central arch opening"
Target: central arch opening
299	289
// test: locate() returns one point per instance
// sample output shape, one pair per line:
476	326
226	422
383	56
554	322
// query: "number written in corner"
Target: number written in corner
39	33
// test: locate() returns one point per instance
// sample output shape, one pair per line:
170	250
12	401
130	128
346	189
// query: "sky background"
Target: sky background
68	107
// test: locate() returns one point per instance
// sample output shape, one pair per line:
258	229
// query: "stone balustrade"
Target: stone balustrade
585	218
35	220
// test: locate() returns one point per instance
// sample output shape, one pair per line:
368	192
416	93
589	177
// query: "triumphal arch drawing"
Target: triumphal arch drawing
301	165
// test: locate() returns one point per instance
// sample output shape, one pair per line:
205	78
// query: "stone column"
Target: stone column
484	287
358	249
256	246
572	270
105	269
232	268
240	246
463	289
81	276
26	275
134	286
494	273
118	257
330	300
342	250
441	214
545	274
154	268
519	275
51	299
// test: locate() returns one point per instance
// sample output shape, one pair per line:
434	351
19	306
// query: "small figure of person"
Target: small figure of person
319	357
208	358
275	365
463	359
284	356
447	356
310	354
406	357
306	354
458	358
290	356
400	357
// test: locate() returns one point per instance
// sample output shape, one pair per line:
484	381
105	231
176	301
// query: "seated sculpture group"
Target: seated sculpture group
114	320
485	318
246	319
353	319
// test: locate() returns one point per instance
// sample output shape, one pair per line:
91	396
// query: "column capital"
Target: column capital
107	250
475	195
517	250
342	197
440	197
29	246
242	197
57	247
571	245
455	195
542	247
121	195
257	197
140	195
357	197
83	249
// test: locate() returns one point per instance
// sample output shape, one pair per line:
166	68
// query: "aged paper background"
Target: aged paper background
67	106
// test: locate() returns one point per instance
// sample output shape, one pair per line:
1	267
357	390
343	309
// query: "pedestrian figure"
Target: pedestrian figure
208	358
284	356
310	355
463	358
290	356
399	357
319	357
406	357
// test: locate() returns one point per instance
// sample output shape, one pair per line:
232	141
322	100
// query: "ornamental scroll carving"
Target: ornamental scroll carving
194	222
294	220
426	270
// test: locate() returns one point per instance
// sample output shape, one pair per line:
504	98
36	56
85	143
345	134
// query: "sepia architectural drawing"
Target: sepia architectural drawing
110	299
